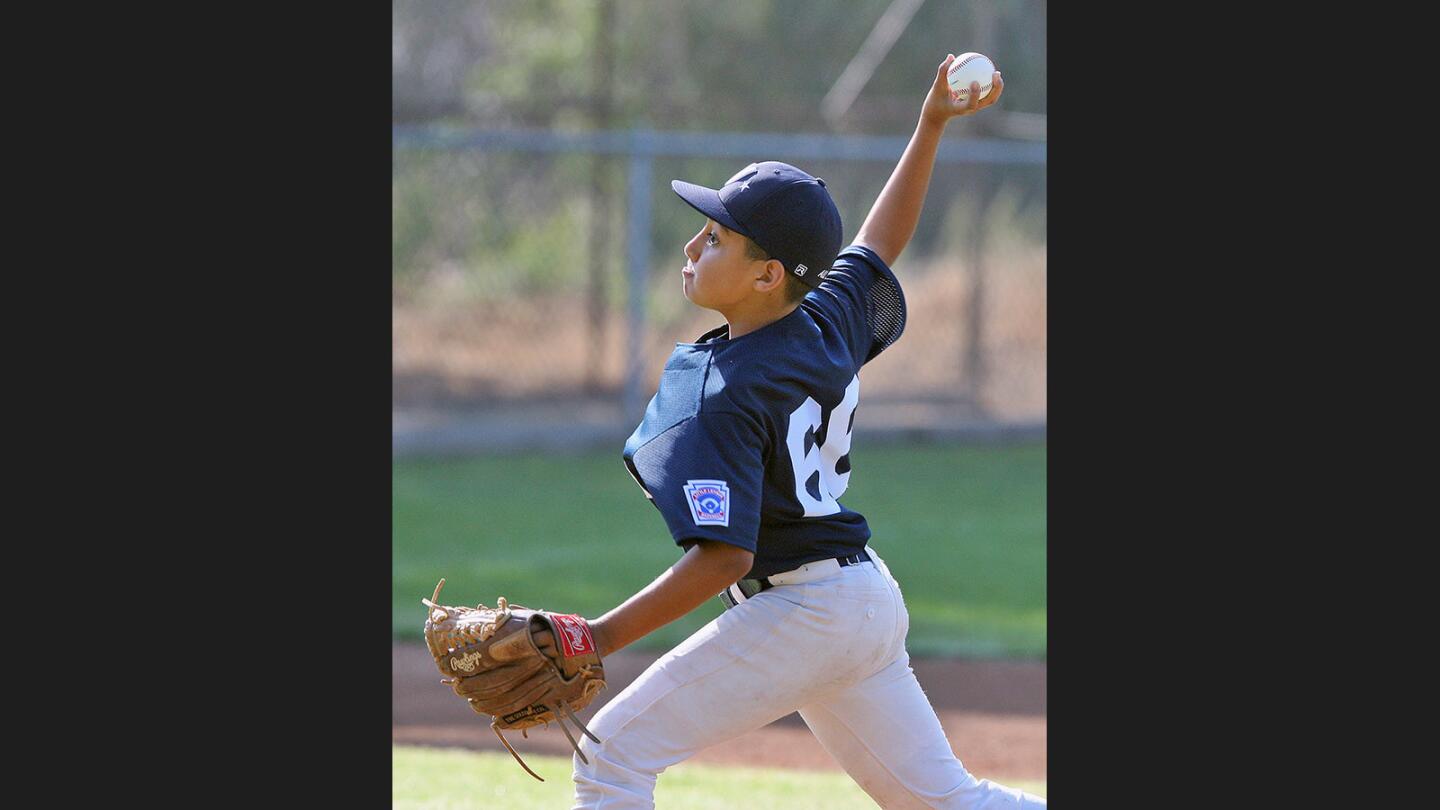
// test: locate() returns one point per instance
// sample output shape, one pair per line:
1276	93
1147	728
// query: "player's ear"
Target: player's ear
770	276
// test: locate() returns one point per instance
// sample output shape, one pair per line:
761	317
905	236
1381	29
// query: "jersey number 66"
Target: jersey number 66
818	480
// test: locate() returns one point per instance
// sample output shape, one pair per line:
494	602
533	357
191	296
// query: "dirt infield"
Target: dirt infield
992	711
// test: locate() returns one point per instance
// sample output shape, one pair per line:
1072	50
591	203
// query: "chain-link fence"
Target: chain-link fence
537	244
536	276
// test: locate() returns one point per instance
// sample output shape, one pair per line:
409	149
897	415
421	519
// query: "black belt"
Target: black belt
750	587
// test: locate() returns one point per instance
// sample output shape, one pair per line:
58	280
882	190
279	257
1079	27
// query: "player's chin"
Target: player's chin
698	296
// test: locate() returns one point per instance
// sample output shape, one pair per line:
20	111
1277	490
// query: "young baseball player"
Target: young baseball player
745	452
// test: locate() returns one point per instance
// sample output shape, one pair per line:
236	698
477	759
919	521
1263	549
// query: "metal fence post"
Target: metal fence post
640	147
637	255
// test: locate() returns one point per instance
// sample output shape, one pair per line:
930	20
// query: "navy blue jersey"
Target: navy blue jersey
747	441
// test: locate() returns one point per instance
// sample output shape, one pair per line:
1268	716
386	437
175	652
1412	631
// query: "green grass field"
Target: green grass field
962	528
440	778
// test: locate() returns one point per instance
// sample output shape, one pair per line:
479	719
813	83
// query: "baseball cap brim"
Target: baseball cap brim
706	201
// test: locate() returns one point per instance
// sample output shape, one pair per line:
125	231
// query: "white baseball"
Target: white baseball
967	68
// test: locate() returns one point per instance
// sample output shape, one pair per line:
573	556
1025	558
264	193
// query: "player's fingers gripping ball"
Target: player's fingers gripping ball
968	70
489	656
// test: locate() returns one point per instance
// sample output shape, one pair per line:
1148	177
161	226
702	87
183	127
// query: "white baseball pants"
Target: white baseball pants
832	648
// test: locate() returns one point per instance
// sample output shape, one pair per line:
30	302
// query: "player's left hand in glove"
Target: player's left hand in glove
490	657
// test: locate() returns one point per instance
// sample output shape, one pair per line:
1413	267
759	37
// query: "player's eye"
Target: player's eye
711	239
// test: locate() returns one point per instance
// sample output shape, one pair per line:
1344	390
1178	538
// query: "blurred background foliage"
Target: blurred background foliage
756	65
491	249
751	66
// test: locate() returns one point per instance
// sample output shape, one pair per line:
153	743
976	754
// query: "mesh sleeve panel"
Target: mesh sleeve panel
886	307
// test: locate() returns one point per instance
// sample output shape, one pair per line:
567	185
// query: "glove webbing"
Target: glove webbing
562	712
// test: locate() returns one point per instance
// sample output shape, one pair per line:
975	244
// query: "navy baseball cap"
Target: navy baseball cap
785	211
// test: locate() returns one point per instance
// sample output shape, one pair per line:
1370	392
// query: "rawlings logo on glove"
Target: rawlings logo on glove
466	663
490	658
575	634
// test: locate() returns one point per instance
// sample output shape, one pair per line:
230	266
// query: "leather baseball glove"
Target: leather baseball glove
489	656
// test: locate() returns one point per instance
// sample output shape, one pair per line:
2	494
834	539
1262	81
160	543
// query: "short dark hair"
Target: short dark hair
795	289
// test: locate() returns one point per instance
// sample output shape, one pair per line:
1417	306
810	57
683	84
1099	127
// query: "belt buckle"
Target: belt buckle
747	588
750	587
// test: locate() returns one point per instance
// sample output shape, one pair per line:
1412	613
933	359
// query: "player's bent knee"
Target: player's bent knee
599	778
608	761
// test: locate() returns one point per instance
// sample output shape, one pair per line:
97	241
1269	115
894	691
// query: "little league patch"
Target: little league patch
709	502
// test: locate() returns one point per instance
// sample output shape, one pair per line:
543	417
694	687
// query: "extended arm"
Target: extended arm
707	568
892	220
